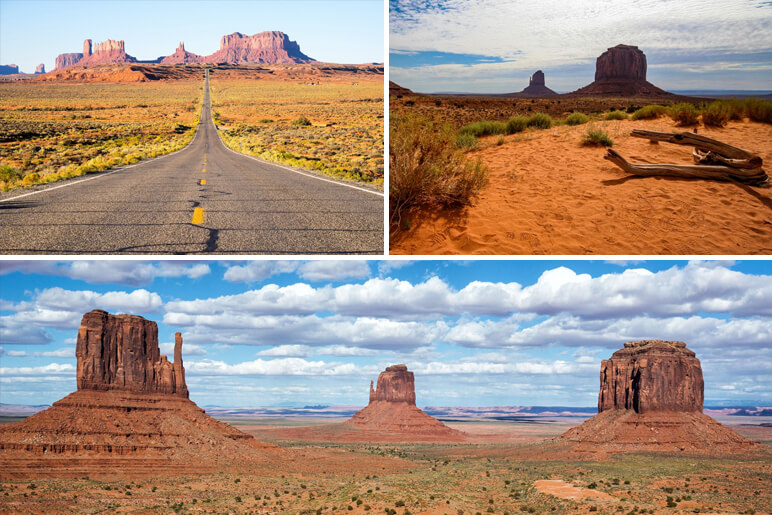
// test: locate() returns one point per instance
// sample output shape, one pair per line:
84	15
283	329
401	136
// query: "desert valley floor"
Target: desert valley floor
318	467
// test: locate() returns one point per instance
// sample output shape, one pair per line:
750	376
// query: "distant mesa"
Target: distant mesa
106	52
272	47
650	400
131	412
621	71
41	68
392	408
8	69
536	87
397	90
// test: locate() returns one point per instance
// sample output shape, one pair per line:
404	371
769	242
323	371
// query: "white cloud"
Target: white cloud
188	349
132	273
45	370
302	351
317	271
136	301
20	332
277	367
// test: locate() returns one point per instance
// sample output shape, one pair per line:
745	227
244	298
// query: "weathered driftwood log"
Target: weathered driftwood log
699	141
711	158
755	176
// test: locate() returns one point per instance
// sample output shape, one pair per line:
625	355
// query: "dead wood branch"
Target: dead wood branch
699	141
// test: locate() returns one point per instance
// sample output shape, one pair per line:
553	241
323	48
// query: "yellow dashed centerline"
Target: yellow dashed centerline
203	171
198	216
203	182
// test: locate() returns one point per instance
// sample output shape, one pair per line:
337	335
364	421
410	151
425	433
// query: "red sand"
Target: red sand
550	195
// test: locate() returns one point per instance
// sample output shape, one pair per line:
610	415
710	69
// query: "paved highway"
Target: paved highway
204	198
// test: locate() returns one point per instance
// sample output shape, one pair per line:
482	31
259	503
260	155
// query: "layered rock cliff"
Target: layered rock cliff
651	375
621	71
650	400
272	47
182	56
109	51
395	384
9	69
120	352
41	68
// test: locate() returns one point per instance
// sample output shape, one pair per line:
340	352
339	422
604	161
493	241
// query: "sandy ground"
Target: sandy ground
563	490
550	195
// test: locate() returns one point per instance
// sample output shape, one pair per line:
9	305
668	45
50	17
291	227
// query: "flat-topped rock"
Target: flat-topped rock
395	384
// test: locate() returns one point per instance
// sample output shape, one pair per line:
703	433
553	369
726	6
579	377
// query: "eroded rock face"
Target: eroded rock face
395	384
109	51
120	352
273	47
9	69
67	60
621	62
41	68
537	79
651	375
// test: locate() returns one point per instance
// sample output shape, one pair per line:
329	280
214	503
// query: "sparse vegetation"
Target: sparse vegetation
616	115
684	114
517	124
50	132
483	128
272	121
577	119
716	114
597	138
649	112
540	121
427	167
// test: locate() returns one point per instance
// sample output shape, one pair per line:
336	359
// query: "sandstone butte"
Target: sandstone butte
536	87
651	395
621	71
271	47
395	89
392	409
130	413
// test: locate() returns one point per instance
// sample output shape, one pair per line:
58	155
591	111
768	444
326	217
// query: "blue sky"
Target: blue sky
476	333
493	46
36	31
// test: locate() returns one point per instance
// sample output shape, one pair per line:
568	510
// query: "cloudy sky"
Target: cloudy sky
484	333
36	31
493	46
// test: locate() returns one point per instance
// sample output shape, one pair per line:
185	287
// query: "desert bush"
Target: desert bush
301	121
483	128
517	124
616	115
684	114
540	121
466	140
597	138
427	167
9	175
716	114
758	110
649	112
577	119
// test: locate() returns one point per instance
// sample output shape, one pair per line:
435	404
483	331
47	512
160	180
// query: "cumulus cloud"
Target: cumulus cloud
278	367
317	271
132	273
45	370
19	332
302	351
188	349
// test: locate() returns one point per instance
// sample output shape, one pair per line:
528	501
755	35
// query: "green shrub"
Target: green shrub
426	166
684	114
517	124
759	110
483	128
8	174
616	115
301	121
466	140
596	138
649	112
540	121
716	114
577	119
265	120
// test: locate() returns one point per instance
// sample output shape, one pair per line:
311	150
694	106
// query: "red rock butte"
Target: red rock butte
392	409
651	395
621	71
130	415
536	87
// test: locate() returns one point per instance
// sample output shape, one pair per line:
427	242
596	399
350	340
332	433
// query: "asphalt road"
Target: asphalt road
161	206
